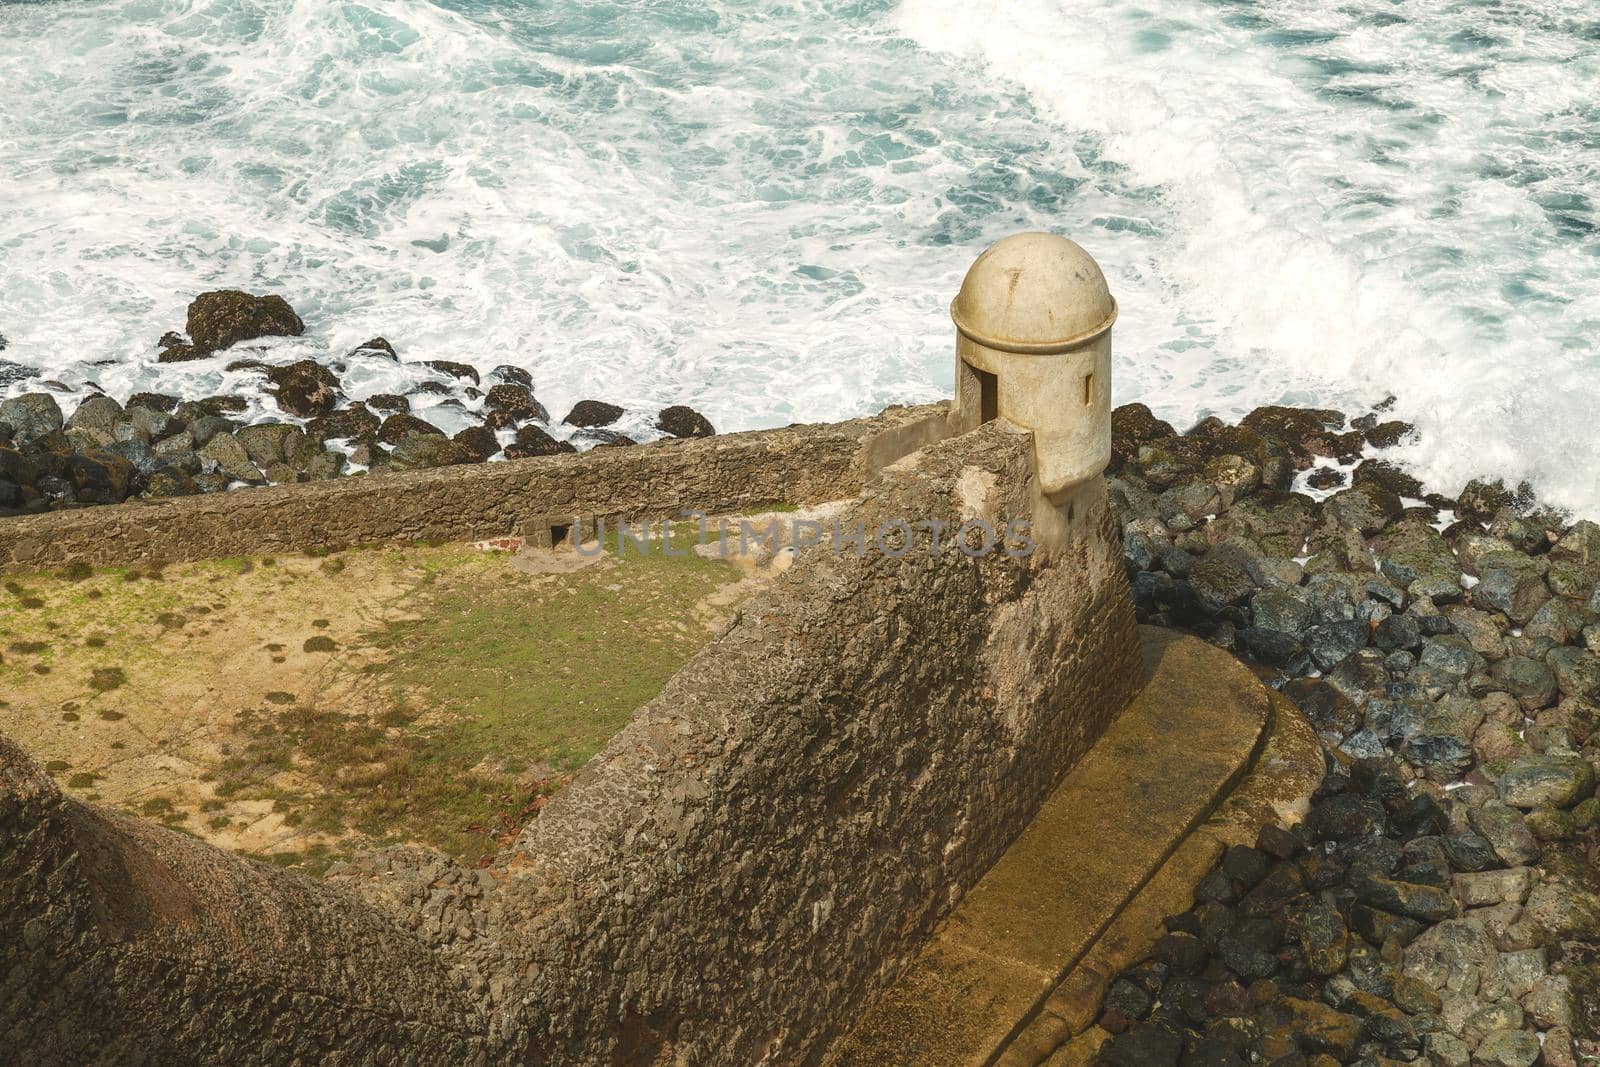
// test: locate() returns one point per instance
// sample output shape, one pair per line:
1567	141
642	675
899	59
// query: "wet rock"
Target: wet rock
532	441
1389	434
326	465
1481	888
270	444
1323	938
682	421
587	413
1480	500
31	415
1411	550
399	426
305	388
455	370
512	375
1132	425
1366	509
480	442
347	423
221	319
387	403
420	451
516	401
376	346
154	401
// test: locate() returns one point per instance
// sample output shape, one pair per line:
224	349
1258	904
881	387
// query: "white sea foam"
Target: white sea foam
1364	199
762	209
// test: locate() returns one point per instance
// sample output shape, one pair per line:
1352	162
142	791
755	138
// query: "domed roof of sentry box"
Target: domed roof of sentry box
1034	293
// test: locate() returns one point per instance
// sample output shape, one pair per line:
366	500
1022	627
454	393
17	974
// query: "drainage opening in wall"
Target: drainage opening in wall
558	535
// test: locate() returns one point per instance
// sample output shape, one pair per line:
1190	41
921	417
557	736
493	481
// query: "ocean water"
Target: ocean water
762	208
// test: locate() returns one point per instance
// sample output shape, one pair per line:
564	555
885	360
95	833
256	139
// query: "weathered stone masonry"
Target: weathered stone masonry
737	873
729	473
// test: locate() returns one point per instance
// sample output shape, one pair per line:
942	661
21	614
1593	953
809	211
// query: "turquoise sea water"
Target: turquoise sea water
763	208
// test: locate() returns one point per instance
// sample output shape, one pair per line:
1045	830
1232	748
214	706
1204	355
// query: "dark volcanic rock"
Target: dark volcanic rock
349	422
388	403
225	317
399	426
154	401
532	441
681	421
512	375
592	413
516	401
305	388
377	345
455	370
479	442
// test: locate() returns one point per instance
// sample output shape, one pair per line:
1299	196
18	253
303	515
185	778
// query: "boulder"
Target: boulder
224	455
346	423
221	319
31	415
305	388
399	426
681	421
587	413
455	370
101	477
169	481
532	441
420	451
96	413
480	442
153	401
1548	778
378	346
1512	584
387	403
512	375
516	401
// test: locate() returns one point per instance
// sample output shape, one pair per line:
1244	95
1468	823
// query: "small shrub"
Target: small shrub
105	679
77	571
320	644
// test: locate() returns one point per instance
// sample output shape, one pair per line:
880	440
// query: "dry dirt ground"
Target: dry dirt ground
305	707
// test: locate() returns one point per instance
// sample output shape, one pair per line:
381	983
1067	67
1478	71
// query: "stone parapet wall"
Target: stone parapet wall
729	473
741	870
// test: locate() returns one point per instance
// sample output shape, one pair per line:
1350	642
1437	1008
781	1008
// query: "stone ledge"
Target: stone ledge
1162	769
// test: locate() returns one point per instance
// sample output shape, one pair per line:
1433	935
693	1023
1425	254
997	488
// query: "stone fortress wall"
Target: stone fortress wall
797	465
742	869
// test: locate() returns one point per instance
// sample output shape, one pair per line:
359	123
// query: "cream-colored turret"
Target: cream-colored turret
1033	346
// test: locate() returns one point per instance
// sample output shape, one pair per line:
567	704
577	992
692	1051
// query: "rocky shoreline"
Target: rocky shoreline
1438	904
158	445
